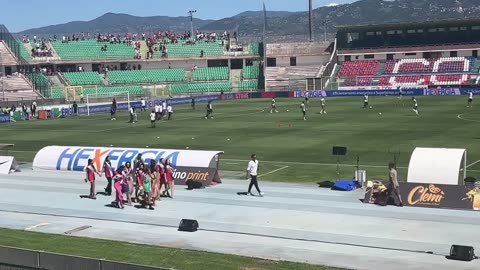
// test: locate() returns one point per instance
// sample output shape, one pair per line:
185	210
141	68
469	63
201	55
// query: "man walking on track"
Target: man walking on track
393	183
252	172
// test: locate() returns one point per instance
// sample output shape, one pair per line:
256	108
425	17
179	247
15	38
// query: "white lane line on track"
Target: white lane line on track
284	167
36	226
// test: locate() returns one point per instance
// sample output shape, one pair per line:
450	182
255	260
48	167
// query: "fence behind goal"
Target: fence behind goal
107	98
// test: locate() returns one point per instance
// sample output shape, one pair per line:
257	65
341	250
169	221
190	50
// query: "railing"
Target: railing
26	259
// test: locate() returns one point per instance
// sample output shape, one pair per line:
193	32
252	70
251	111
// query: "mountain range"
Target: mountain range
280	23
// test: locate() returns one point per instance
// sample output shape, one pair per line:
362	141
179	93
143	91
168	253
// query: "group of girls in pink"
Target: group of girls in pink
144	182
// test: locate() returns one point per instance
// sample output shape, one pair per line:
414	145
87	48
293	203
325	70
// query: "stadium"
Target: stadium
325	119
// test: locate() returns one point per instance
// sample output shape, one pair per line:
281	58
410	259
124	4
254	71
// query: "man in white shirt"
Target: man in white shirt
170	111
144	105
252	172
323	103
164	108
133	115
153	118
470	99
160	111
157	112
303	107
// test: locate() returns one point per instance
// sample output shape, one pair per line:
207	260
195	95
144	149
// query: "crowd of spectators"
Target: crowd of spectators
39	47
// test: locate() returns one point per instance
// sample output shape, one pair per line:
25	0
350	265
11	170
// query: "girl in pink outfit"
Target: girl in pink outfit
118	180
90	177
129	181
169	177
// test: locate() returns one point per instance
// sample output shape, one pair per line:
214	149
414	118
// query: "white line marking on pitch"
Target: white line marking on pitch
470	165
273	171
36	226
465	119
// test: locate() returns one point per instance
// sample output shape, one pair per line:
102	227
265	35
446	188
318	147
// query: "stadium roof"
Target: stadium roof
392	26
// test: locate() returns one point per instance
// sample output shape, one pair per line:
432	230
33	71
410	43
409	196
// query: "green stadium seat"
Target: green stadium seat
91	49
146	76
248	85
251	72
211	74
55	93
82	78
254	48
187	50
193	88
41	81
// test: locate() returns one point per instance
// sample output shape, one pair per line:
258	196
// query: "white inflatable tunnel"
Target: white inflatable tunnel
437	166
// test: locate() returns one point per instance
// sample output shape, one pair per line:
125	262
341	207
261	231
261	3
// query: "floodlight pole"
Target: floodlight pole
191	12
325	23
310	19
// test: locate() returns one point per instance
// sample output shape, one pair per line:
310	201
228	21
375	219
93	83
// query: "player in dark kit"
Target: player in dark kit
193	104
209	110
113	109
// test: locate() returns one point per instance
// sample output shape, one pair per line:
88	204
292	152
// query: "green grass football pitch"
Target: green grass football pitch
289	149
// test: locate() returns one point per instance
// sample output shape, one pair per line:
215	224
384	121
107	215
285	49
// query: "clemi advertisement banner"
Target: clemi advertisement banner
75	158
430	195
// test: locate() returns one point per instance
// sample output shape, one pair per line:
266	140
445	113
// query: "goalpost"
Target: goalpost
122	99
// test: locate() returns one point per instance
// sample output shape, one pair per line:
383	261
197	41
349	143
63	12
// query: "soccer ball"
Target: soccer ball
288	110
379	113
371	107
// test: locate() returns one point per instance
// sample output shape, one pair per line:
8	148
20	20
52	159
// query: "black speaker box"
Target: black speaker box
188	225
339	150
461	253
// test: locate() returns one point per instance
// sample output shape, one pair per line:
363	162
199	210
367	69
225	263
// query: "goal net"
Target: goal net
74	93
122	99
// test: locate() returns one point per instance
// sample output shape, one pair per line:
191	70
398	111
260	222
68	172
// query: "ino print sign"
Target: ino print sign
75	158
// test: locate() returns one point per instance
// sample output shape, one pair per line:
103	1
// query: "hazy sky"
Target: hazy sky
26	14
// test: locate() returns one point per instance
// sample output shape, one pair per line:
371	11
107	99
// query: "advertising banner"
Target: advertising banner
429	195
442	91
466	91
75	158
353	93
241	95
202	175
4	118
